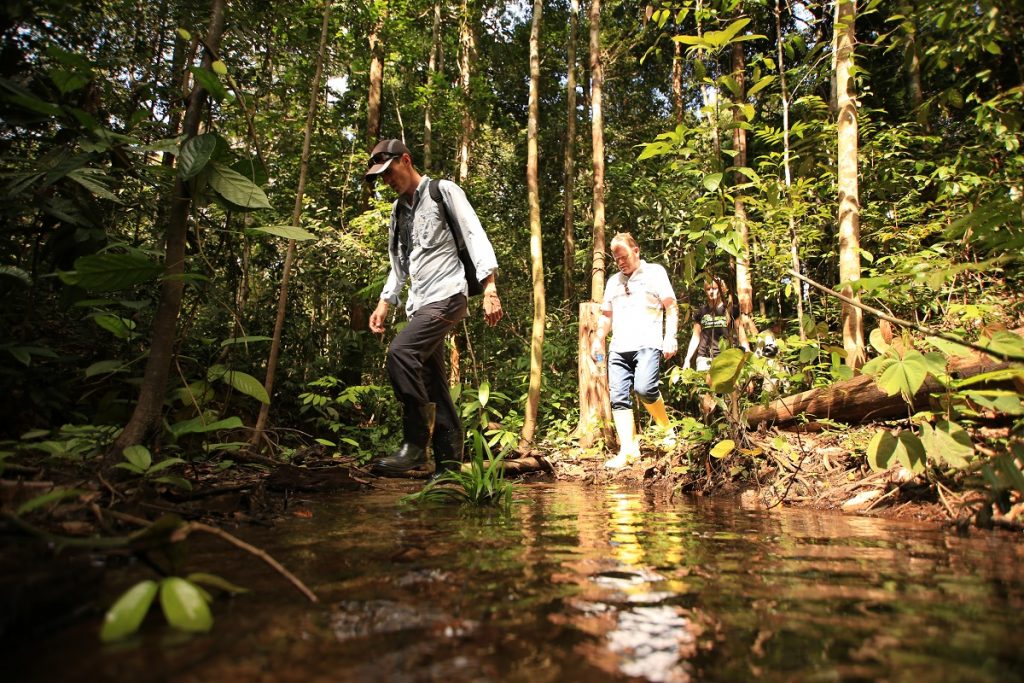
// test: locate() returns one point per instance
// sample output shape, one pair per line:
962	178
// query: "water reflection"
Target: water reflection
584	584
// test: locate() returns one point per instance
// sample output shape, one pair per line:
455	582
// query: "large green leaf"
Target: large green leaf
210	82
292	232
723	448
125	615
184	605
247	384
881	448
904	375
1004	342
712	181
195	153
725	368
236	188
947	443
910	451
138	456
196	426
109	272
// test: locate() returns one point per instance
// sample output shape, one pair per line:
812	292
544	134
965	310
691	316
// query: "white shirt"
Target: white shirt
638	316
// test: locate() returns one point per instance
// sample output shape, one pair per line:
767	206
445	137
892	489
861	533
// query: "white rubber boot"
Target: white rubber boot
629	449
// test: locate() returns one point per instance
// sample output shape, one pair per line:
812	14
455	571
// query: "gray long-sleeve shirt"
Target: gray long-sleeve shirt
425	251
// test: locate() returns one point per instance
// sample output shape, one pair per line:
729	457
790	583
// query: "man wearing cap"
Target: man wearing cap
421	249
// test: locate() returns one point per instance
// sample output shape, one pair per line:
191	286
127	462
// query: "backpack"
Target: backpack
475	288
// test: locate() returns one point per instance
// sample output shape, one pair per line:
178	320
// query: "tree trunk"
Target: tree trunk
597	272
435	50
526	439
569	184
595	410
794	251
677	82
282	299
148	410
849	201
467	43
859	399
373	98
595	407
744	289
912	64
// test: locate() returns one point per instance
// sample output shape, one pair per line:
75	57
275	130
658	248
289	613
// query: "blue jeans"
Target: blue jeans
630	371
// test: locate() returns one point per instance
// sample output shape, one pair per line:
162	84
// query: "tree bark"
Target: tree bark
794	251
569	179
859	399
849	201
595	409
435	51
149	408
282	299
526	440
373	98
467	43
744	288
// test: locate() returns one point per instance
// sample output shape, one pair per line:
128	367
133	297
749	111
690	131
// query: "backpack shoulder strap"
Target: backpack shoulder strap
435	193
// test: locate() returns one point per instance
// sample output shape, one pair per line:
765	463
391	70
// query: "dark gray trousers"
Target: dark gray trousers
417	368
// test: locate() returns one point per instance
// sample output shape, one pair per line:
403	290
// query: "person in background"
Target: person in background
423	250
713	322
639	309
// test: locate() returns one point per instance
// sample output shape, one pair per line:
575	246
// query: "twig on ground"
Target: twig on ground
181	533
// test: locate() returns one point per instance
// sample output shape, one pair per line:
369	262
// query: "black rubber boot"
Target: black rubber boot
412	454
447	447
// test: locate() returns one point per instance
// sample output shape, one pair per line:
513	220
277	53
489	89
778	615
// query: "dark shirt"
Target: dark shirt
714	324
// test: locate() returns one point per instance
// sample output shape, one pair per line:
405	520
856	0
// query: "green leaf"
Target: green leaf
184	35
1003	401
809	353
184	605
949	348
210	82
947	443
47	498
236	188
216	582
881	449
164	464
138	456
196	426
292	232
175	480
125	616
712	181
904	375
245	340
219	68
109	272
247	384
1003	342
484	393
910	452
723	448
195	153
877	340
725	369
105	367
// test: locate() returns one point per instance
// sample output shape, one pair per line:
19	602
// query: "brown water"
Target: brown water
582	584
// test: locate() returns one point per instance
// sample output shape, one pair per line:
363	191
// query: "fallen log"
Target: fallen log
859	399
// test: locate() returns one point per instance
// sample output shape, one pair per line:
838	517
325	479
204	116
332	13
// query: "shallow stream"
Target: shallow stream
581	584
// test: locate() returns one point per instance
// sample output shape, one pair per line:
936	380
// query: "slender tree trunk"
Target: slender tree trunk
677	82
373	99
526	440
282	299
467	43
149	408
744	289
569	179
595	410
849	200
912	64
794	251
435	51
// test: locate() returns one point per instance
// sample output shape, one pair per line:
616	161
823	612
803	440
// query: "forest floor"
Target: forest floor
820	469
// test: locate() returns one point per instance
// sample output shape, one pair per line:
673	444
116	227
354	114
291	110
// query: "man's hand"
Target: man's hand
379	316
597	349
669	347
492	306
